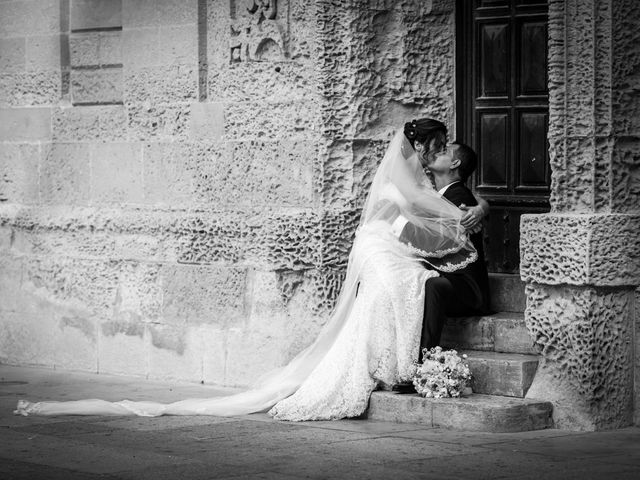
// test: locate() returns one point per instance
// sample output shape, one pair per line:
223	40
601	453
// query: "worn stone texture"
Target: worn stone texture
93	87
95	123
598	250
636	359
95	48
19	164
585	337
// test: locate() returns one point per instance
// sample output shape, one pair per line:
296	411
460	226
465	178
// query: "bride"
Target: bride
373	335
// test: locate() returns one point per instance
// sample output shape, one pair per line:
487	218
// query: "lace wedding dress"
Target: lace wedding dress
374	332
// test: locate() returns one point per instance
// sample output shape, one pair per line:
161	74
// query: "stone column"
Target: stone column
580	262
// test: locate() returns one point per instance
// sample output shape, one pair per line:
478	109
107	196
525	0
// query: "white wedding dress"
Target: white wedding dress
373	335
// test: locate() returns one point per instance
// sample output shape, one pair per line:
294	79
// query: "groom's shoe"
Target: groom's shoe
403	388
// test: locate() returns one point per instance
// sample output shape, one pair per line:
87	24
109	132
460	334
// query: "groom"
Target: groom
466	291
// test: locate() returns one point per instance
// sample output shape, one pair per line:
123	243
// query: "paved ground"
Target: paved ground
255	446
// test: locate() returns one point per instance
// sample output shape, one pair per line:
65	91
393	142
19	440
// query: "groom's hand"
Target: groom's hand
472	219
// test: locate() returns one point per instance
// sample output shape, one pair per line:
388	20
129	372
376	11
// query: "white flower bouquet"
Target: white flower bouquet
442	373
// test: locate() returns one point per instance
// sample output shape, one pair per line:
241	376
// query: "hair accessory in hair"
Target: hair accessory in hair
410	130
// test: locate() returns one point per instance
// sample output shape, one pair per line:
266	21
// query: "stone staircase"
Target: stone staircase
502	362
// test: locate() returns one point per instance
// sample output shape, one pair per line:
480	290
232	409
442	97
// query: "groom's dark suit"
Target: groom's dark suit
464	292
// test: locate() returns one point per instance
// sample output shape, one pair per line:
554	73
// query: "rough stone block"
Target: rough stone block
84	49
158	46
29	17
91	87
257	173
95	48
203	295
475	413
161	84
32	88
123	348
583	336
26	339
477	333
580	249
12	54
116	173
139	294
512	335
636	368
323	287
65	173
19	173
105	123
139	13
85	285
176	353
212	238
625	38
338	231
140	48
25	124
338	165
140	246
579	58
213	354
168	176
11	267
178	45
206	122
76	342
271	332
243	346
625	173
262	81
507	374
43	53
148	122
272	121
367	155
41	330
290	241
90	14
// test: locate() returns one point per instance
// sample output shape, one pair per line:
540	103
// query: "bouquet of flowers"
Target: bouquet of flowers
443	373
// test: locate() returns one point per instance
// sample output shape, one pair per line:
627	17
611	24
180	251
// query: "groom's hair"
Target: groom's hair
468	159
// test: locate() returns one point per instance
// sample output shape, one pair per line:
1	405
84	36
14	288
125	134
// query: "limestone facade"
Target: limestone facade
180	181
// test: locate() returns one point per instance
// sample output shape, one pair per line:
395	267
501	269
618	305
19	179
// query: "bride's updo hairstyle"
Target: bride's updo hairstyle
425	130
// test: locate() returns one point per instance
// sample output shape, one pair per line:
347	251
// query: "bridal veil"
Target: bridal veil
401	195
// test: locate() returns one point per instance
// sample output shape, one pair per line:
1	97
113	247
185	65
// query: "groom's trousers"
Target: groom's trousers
447	295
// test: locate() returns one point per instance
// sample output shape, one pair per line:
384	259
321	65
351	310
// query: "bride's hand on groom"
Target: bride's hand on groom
472	218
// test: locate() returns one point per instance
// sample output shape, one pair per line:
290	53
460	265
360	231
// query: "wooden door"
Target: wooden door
503	113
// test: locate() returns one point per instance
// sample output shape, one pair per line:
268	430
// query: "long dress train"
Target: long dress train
374	332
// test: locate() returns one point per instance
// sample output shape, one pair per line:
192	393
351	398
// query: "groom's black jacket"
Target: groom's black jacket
471	283
474	277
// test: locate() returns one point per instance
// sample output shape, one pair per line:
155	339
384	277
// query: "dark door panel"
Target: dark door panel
503	113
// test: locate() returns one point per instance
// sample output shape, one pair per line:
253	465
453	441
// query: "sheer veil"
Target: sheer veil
405	211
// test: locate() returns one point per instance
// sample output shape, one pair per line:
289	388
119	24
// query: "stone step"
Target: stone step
501	332
507	374
507	292
481	413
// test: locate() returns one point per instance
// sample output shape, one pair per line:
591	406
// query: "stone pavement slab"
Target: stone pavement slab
256	446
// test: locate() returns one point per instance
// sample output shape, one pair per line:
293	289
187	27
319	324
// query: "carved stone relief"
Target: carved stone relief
258	31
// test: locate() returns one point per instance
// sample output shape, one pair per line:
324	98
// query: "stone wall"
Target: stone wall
581	261
180	179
